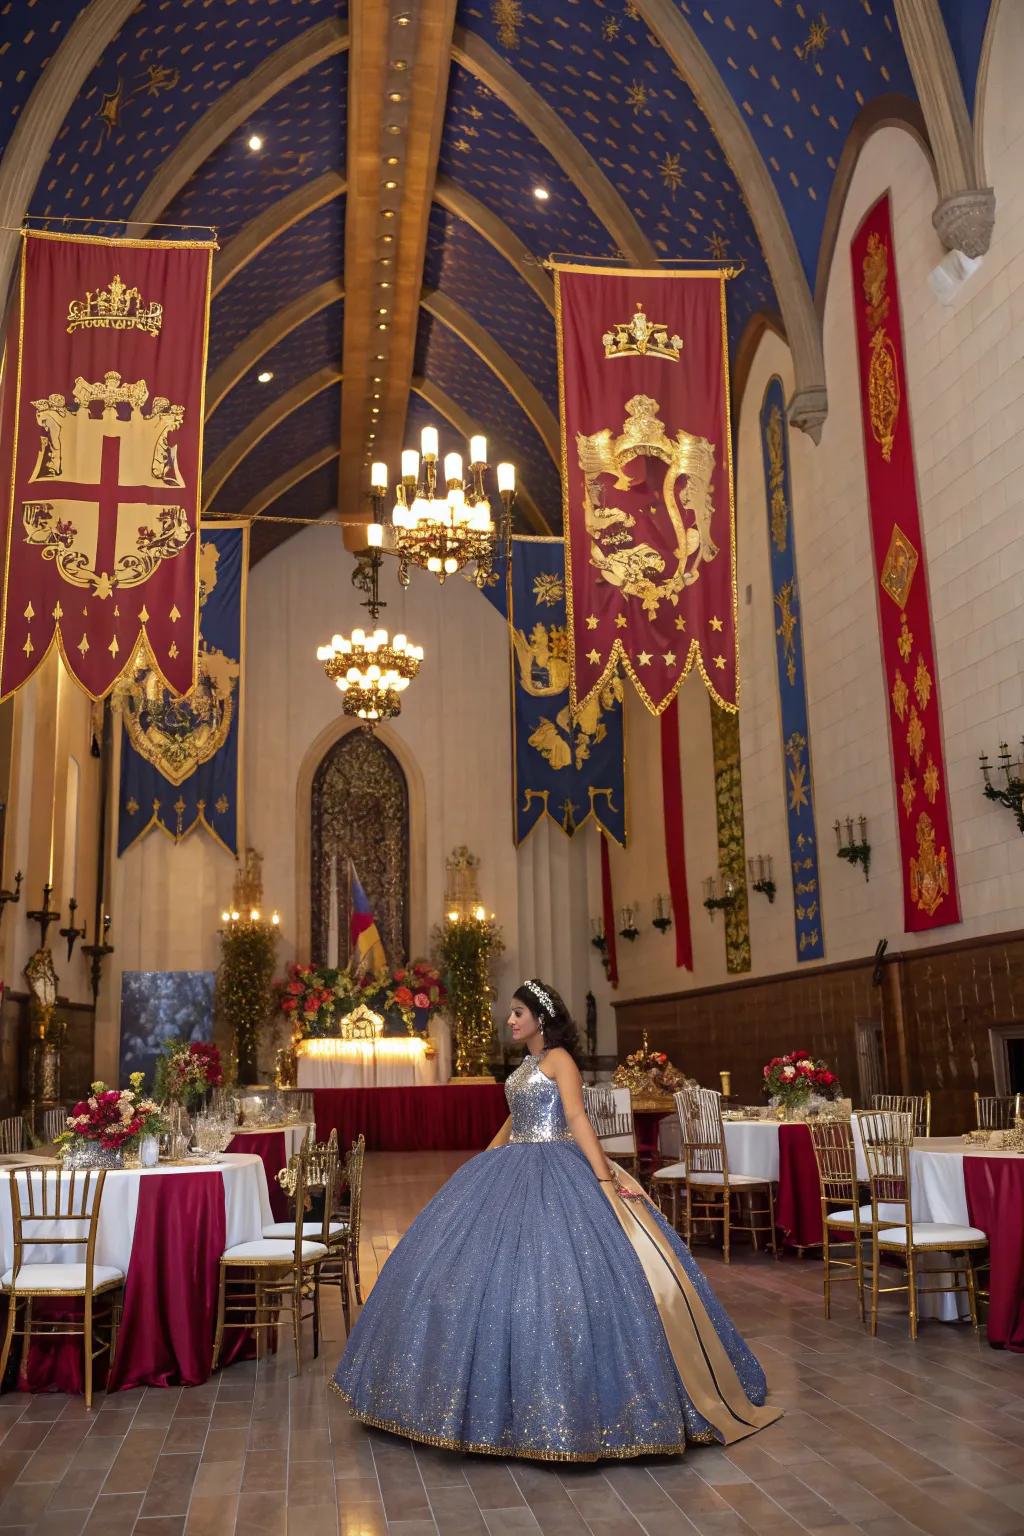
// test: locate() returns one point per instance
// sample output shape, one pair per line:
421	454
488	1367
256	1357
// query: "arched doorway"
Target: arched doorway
359	810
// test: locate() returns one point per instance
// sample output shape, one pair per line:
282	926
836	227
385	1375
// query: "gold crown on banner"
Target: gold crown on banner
115	308
641	337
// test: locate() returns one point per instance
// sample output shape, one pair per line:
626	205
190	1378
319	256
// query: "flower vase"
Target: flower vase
149	1151
90	1154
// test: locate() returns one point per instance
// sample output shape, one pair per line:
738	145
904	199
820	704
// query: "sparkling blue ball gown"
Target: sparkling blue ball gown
531	1311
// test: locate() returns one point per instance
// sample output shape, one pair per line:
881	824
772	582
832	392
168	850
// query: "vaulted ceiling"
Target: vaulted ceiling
381	250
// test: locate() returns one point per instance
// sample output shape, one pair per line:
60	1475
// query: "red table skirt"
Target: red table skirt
995	1203
170	1298
270	1147
798	1203
455	1117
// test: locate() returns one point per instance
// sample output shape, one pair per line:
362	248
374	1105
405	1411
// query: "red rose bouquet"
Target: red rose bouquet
793	1080
307	997
113	1118
186	1070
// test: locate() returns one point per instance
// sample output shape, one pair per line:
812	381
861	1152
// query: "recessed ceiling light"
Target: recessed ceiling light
384	283
391	160
376	395
389	213
541	194
376	378
387	239
264	377
394	127
391	185
401	63
255	142
382	326
383	310
376	410
379	359
402	19
394	95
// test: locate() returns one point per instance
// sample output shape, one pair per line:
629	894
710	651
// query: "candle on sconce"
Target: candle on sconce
839	836
849	831
597	927
863	824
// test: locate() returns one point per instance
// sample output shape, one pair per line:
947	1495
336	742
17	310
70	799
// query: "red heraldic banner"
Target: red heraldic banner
647	481
908	651
101	429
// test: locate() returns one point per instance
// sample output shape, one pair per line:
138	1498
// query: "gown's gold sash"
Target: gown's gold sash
704	1367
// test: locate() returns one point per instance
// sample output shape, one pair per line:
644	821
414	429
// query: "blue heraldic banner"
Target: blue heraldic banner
789	653
570	772
180	759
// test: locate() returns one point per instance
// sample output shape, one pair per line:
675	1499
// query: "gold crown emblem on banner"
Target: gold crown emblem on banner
115	308
641	337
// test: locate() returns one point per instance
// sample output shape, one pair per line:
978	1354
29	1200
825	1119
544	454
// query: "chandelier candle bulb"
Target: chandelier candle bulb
478	452
428	443
410	465
453	470
506	478
379	476
375	536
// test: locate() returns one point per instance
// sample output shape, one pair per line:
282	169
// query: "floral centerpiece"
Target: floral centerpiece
186	1070
797	1081
649	1074
109	1123
308	999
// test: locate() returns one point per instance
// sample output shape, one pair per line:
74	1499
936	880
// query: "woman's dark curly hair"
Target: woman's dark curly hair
555	1021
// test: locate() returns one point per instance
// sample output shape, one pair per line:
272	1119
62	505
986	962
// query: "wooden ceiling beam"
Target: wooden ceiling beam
398	79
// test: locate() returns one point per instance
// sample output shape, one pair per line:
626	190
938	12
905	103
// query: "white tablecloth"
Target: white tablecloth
246	1211
386	1063
752	1145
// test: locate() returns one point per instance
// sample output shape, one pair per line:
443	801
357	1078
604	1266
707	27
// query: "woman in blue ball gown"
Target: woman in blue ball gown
540	1306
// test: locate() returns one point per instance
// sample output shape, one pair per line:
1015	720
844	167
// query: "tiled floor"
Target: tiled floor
880	1437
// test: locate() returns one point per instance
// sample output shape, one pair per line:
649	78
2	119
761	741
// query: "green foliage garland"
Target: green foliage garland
464	950
244	1002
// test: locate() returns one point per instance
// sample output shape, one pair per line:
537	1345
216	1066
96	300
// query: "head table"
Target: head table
165	1228
951	1182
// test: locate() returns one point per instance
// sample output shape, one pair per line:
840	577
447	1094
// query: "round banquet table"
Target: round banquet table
275	1145
165	1228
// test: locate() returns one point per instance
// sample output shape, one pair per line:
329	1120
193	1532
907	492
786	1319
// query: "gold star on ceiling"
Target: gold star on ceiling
644	658
671	172
591	621
636	97
716	623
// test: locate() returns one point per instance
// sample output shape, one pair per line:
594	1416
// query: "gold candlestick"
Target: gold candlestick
726	1081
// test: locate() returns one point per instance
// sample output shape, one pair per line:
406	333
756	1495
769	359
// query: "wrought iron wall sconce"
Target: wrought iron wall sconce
15	895
760	867
44	915
1012	792
852	851
597	937
97	953
627	924
71	933
662	919
719	894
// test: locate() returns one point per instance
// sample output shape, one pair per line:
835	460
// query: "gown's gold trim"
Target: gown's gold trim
708	1375
519	1453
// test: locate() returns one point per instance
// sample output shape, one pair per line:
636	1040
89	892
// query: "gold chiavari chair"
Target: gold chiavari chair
917	1105
55	1121
351	1214
887	1137
319	1162
261	1280
673	1175
994	1113
12	1134
610	1112
711	1190
841	1210
50	1207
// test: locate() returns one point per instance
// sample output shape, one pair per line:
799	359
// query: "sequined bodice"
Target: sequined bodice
536	1104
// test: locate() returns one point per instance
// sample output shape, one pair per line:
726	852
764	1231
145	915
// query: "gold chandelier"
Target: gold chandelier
444	529
372	671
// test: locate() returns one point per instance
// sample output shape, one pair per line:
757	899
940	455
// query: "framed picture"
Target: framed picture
157	1006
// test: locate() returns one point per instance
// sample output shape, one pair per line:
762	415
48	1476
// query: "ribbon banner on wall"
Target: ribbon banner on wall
725	743
181	757
100	451
569	767
908	651
647	481
789	655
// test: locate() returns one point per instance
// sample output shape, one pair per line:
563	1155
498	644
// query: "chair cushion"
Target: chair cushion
717	1180
267	1249
932	1234
885	1213
65	1278
673	1171
310	1229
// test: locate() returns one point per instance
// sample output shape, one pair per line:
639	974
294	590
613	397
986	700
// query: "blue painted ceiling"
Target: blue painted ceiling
800	74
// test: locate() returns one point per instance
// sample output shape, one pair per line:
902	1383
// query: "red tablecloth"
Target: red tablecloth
170	1298
798	1203
455	1117
995	1203
270	1147
646	1123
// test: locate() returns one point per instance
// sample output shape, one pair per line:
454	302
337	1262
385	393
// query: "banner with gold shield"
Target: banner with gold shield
905	624
100	452
181	756
647	481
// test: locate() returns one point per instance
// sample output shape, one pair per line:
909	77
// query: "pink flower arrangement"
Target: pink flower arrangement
186	1070
114	1118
